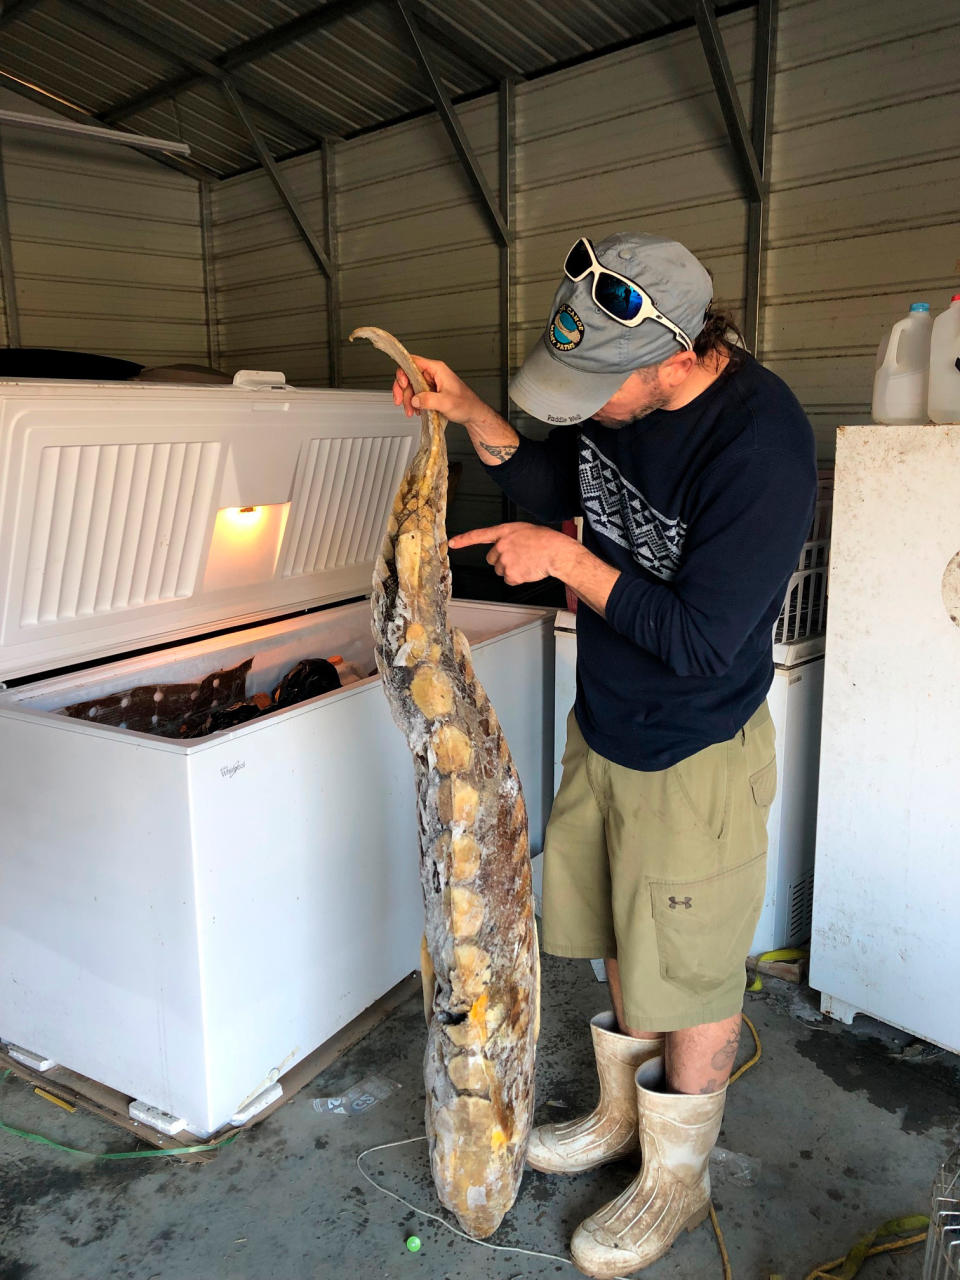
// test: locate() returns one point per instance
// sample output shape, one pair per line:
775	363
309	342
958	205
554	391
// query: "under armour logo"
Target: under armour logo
680	902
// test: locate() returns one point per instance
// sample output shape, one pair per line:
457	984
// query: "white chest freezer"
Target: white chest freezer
183	920
886	909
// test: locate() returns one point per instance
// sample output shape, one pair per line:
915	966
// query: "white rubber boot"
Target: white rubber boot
671	1194
610	1131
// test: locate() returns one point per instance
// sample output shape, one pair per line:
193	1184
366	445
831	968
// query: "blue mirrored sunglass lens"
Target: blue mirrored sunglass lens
618	297
578	260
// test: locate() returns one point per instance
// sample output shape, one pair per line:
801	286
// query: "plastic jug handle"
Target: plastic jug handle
891	357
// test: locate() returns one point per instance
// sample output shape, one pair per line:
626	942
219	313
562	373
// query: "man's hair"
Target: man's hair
721	336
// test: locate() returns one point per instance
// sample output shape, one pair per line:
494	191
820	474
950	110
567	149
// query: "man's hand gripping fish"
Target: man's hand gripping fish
480	960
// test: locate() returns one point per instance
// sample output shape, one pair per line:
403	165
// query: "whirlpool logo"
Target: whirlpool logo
566	329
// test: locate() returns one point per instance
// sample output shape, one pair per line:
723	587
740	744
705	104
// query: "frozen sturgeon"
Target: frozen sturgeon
480	960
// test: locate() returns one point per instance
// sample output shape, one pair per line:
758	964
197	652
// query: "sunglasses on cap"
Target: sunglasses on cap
621	299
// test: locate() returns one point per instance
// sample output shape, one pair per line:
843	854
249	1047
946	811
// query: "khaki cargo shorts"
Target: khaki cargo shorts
664	871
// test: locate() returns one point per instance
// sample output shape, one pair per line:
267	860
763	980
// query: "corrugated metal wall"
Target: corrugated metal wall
866	157
866	173
415	256
865	166
106	248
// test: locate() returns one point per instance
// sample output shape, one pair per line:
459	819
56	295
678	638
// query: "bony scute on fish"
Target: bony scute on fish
468	1073
452	749
466	912
464	856
432	691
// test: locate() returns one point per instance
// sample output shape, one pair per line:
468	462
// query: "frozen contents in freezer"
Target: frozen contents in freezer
308	679
218	701
200	723
163	709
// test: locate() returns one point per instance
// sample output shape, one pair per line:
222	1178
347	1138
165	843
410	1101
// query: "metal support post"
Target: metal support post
751	149
726	88
452	125
7	282
276	177
329	162
762	130
505	131
506	119
209	276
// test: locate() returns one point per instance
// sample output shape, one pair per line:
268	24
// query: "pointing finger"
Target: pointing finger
477	537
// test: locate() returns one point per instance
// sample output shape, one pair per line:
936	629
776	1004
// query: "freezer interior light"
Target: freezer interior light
244	515
245	546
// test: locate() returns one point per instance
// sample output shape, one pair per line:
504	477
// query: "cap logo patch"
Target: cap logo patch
566	329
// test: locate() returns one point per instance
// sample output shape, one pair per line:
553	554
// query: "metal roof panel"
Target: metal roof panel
354	71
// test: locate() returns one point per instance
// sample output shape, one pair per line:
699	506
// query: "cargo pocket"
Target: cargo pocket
763	784
704	927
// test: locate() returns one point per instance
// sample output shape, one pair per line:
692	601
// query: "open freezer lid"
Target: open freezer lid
134	514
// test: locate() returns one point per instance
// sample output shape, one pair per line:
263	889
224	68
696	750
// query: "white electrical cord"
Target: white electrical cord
423	1213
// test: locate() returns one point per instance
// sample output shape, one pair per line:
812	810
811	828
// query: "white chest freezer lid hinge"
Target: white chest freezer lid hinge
134	514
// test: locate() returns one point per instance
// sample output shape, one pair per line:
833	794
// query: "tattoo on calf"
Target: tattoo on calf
724	1057
500	451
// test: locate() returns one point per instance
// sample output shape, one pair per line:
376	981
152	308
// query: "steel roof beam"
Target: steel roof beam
210	310
453	127
762	130
328	179
152	97
167	43
725	86
258	47
290	201
506	129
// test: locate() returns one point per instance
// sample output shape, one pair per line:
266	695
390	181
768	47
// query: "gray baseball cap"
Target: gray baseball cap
584	355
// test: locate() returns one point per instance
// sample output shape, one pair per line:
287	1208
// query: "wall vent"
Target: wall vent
801	909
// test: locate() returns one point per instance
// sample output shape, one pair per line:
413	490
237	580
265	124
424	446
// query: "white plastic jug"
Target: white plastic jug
903	360
943	396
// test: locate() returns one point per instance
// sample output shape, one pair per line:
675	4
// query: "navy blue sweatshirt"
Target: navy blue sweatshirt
704	510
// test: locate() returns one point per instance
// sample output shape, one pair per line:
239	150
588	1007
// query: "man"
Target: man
694	469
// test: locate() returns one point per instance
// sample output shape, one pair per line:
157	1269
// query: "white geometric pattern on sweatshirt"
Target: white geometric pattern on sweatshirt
618	510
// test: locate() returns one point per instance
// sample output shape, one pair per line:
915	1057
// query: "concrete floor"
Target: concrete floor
847	1126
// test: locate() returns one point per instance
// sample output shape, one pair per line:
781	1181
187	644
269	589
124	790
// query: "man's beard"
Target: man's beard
659	402
656	399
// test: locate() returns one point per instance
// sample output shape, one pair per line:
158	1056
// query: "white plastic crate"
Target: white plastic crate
804	612
942	1257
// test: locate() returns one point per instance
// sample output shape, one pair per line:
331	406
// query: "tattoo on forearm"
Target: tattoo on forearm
499	451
